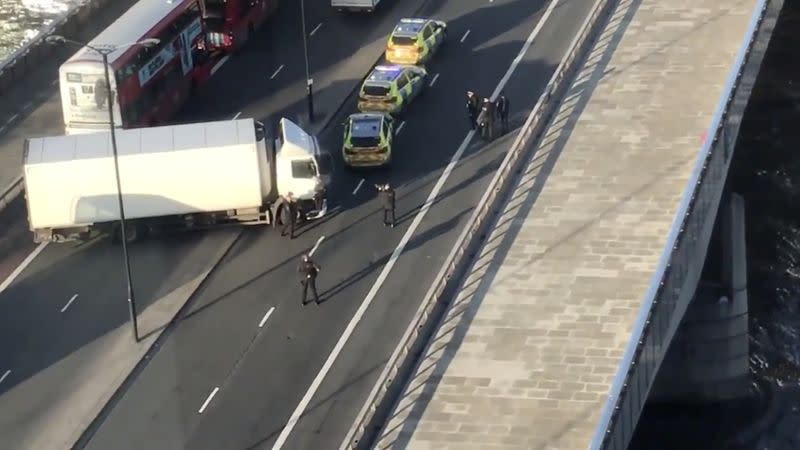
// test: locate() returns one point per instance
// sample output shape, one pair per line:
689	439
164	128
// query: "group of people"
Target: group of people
308	269
482	114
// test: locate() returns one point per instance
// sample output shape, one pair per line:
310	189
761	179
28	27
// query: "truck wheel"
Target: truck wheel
130	229
279	216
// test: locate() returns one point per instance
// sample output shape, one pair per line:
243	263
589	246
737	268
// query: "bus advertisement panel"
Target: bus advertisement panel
85	95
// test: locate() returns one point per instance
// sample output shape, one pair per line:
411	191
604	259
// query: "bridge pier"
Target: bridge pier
708	360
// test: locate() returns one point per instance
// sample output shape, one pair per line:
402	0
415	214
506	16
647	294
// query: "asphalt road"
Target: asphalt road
258	375
37	338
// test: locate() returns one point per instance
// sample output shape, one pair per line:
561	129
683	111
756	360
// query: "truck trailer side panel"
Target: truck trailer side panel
70	180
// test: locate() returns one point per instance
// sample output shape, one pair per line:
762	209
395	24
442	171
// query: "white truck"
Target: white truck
195	176
355	5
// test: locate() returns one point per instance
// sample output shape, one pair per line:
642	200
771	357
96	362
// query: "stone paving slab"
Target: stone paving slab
526	354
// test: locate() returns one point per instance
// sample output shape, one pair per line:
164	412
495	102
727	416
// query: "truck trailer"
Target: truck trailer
186	176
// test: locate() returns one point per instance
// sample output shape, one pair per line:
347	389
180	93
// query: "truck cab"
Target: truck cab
302	169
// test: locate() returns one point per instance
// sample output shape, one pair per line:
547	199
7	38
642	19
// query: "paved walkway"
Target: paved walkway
526	355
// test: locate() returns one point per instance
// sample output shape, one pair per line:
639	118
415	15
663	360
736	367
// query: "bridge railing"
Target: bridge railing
391	381
681	264
29	58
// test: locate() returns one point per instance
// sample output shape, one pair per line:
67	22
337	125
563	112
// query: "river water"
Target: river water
21	20
766	171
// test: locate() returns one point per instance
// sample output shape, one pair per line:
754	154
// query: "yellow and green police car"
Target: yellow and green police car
415	41
390	89
368	140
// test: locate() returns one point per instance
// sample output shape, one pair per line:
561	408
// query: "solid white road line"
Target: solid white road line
433	81
358	186
55	82
521	54
400	127
266	317
276	72
13	118
5	375
298	412
315	29
69	303
316	246
237	115
219	64
208	400
463	38
25	263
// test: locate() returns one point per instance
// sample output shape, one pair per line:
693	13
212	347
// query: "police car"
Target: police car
415	41
390	88
368	140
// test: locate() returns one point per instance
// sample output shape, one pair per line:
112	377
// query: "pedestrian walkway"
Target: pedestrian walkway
526	354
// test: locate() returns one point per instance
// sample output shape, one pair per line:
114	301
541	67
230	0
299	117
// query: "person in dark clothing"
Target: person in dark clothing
502	111
486	120
386	192
308	271
472	109
289	215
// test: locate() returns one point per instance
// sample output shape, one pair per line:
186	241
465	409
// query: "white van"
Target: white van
355	5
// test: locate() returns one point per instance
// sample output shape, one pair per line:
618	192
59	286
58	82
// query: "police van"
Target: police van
390	89
368	140
415	41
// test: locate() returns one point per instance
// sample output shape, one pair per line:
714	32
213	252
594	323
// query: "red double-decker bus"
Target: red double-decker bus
231	23
148	84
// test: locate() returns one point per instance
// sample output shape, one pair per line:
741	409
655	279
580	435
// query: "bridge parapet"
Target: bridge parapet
679	269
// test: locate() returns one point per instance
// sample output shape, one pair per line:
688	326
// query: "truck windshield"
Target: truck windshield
303	168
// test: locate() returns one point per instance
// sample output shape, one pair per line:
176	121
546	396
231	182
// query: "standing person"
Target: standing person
486	119
386	192
289	215
472	109
502	111
309	270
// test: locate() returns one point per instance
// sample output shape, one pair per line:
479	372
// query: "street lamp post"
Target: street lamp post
309	80
104	51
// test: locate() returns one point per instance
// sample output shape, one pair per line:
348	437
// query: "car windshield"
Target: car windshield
376	90
403	40
303	168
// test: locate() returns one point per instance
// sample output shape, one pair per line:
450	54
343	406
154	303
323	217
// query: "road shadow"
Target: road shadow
156	271
16	241
329	399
